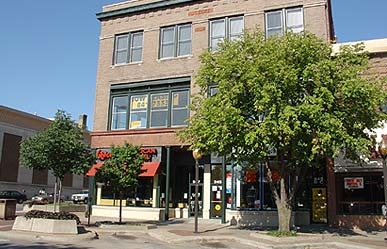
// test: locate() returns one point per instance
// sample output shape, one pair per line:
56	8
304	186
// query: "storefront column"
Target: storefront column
206	191
238	193
99	192
167	183
224	190
331	192
155	194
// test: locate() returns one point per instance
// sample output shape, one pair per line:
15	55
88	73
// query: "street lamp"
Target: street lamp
383	153
196	155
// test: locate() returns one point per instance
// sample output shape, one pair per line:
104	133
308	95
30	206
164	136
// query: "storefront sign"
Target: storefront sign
353	182
150	153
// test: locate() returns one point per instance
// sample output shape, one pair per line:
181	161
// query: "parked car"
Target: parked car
81	197
45	198
13	194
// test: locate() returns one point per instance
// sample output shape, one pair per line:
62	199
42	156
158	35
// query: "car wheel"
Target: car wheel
20	201
85	201
75	202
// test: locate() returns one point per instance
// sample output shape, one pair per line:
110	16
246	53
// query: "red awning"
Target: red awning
149	169
93	170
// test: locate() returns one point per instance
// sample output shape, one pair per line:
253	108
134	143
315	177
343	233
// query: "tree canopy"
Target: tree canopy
60	148
288	95
122	169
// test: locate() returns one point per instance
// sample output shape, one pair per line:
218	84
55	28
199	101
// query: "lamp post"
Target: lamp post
383	153
196	155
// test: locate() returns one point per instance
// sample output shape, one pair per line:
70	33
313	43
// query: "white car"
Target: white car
45	198
81	197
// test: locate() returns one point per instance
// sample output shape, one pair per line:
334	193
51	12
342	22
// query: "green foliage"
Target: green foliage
63	215
287	93
277	233
59	148
121	171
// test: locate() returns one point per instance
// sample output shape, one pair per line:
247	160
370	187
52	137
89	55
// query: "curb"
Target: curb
46	237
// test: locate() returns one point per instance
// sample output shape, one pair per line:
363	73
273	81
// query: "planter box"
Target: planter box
50	208
45	225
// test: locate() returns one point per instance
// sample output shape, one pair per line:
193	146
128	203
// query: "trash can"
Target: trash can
7	209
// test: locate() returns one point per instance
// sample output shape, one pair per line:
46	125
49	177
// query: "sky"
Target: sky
49	50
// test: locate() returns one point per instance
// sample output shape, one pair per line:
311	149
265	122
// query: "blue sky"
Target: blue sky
49	50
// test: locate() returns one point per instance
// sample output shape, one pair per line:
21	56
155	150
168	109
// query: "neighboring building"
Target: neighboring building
14	126
147	61
356	192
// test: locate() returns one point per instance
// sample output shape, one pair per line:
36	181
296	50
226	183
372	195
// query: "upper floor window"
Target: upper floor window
175	41
225	28
159	107
119	112
280	21
128	48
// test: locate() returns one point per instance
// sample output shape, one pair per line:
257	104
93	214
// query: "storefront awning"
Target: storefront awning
93	170
149	169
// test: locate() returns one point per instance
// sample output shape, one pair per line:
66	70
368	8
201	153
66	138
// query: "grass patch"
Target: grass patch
276	233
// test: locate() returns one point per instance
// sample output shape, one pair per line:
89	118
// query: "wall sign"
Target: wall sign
353	182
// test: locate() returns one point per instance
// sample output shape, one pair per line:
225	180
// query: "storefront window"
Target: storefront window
256	192
359	193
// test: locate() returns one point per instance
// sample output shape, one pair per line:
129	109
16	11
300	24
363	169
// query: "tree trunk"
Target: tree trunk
120	218
284	210
55	190
284	216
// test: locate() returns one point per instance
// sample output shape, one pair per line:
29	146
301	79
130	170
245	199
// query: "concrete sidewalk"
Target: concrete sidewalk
176	231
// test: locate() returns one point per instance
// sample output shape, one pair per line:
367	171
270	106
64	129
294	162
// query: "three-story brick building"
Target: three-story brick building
148	58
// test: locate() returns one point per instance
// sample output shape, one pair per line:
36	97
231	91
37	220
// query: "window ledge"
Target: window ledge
175	58
139	63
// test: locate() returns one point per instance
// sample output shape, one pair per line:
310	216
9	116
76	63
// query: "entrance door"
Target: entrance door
216	201
192	199
319	205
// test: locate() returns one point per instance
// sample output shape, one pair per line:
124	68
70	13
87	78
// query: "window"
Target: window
128	48
159	110
360	193
225	28
280	21
159	107
175	41
119	112
138	111
179	108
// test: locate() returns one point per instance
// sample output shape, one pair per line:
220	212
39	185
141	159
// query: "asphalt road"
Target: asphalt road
140	241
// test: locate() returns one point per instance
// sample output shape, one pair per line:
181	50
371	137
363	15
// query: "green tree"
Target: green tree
59	148
120	172
288	95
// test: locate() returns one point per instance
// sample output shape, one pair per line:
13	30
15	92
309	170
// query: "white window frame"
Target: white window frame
176	41
284	20
227	30
128	48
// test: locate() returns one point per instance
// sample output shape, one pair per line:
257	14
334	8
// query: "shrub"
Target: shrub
63	215
277	233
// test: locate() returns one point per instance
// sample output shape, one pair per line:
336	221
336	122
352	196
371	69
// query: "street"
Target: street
137	241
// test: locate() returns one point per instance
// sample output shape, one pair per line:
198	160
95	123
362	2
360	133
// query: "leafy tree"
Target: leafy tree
288	95
120	172
59	148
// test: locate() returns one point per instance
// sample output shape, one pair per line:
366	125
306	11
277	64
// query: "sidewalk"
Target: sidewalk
177	231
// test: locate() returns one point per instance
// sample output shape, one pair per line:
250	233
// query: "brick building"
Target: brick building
14	126
355	192
148	57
